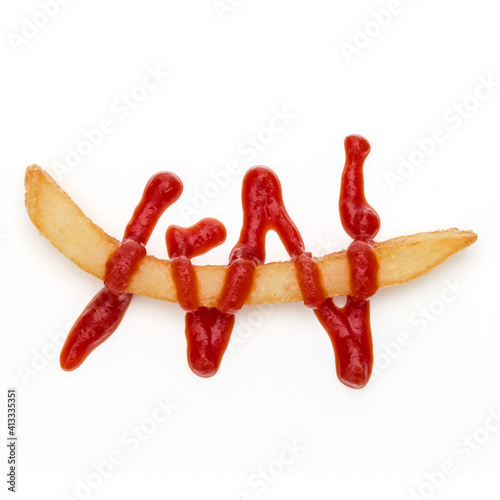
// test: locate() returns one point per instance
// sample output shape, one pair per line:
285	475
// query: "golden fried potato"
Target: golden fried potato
60	220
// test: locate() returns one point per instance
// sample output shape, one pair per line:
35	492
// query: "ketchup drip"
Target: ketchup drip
349	327
207	329
105	311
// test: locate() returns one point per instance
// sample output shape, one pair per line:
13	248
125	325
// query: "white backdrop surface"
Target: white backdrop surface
104	94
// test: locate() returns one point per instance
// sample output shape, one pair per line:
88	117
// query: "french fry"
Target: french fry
67	228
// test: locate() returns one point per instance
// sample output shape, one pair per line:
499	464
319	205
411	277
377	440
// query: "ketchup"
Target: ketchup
208	329
263	210
105	311
349	327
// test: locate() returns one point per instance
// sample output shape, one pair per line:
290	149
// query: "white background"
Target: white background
227	72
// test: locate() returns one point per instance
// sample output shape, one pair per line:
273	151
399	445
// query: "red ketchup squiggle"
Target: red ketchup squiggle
264	210
105	311
207	329
349	327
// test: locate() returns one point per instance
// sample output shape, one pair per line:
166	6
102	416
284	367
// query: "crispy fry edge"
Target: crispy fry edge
67	228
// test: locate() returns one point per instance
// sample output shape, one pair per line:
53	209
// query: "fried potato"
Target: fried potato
60	220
